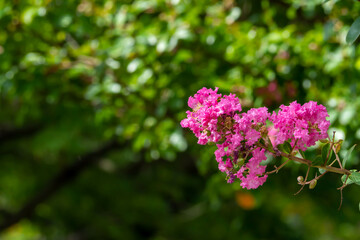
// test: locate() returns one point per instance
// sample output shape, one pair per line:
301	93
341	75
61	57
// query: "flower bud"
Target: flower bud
312	184
263	131
240	162
300	179
228	123
337	145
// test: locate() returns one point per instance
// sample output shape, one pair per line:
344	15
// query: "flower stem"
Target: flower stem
309	163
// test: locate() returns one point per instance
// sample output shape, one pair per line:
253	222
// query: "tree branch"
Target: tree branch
8	135
65	176
309	163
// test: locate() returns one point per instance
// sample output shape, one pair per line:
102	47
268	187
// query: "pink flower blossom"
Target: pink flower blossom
251	174
218	119
304	124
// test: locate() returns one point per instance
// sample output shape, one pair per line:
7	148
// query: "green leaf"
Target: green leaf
348	181
355	177
318	161
328	31
285	147
348	155
302	153
354	31
321	171
324	152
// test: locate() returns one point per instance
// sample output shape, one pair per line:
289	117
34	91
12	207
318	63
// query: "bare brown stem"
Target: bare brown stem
332	147
303	185
278	168
341	198
328	154
309	163
296	159
341	191
316	178
337	157
334	169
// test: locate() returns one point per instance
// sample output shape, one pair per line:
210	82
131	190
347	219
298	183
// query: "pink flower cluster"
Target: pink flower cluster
302	124
252	175
217	118
208	106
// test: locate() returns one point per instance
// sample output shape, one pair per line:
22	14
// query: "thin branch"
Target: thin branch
309	163
335	170
303	185
332	147
332	163
341	199
337	157
316	178
292	149
65	176
296	159
341	189
278	168
328	154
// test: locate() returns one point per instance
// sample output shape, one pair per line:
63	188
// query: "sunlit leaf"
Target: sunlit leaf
354	31
355	177
348	155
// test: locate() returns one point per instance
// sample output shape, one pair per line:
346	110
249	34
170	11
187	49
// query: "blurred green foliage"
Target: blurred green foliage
76	74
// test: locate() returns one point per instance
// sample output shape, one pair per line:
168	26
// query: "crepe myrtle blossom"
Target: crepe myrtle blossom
244	139
209	110
303	124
